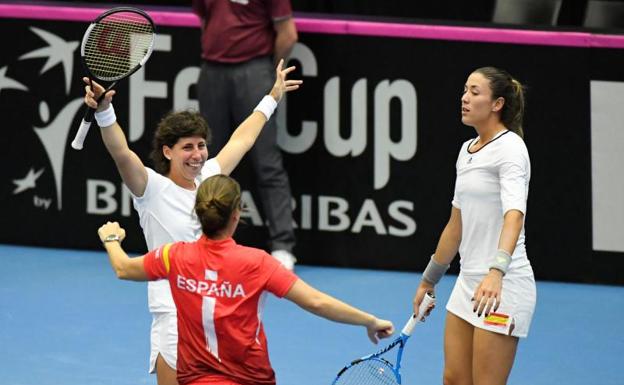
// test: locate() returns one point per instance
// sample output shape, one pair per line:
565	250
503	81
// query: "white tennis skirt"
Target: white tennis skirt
164	339
514	314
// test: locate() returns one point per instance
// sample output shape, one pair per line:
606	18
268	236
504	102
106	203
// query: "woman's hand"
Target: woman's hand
111	228
92	95
423	288
379	329
283	85
487	296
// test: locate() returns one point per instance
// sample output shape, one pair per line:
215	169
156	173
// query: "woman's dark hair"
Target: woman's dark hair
505	86
217	198
172	127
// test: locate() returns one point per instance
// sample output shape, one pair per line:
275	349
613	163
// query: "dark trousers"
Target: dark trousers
227	94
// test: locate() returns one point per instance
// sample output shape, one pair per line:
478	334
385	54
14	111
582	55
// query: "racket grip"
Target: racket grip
83	130
428	299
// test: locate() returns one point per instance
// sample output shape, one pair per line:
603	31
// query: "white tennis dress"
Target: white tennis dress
166	215
490	182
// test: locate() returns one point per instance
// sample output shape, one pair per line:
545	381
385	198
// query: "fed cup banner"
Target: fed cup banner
370	140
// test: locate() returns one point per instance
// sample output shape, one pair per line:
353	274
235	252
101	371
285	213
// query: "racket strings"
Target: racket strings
117	44
368	372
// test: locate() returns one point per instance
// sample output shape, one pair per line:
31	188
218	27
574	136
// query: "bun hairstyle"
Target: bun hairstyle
217	198
172	127
503	85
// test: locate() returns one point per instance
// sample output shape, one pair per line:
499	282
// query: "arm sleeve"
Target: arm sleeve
211	167
514	179
455	202
280	279
280	9
157	263
151	188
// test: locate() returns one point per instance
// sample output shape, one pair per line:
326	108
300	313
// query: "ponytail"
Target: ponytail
517	113
512	91
217	198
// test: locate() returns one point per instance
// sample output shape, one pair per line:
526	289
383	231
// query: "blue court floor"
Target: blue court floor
66	320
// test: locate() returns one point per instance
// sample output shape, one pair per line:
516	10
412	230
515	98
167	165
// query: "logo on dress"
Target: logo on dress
497	319
210	286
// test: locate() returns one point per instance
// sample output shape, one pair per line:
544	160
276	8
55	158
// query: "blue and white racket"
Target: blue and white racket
376	370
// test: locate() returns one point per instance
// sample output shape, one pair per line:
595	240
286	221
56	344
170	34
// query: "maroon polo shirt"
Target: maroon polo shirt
236	31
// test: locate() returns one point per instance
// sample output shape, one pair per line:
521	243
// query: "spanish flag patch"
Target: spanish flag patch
496	319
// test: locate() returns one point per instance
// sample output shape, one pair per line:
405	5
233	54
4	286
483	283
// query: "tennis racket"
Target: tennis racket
116	44
376	370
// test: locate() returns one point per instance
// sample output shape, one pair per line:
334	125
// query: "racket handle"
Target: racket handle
428	299
83	130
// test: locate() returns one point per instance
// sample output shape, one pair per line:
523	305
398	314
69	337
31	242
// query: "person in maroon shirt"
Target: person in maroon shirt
219	287
241	40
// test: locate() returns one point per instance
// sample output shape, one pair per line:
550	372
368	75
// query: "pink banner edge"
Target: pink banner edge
349	27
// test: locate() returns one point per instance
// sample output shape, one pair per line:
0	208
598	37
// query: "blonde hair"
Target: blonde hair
217	198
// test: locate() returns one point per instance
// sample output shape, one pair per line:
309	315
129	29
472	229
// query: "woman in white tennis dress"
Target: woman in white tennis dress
492	303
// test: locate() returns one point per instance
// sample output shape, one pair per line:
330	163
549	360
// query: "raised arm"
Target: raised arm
328	307
247	132
129	165
125	267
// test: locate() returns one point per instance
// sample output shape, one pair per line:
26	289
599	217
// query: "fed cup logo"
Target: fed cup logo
56	55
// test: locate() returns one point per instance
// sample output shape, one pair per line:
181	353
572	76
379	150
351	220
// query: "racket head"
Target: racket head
117	43
368	371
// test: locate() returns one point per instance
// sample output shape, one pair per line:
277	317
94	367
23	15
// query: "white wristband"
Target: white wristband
107	117
267	106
